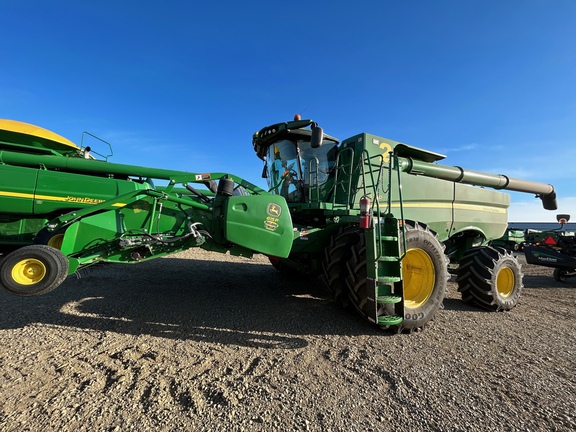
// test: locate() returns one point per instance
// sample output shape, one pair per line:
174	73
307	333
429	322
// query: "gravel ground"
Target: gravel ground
203	342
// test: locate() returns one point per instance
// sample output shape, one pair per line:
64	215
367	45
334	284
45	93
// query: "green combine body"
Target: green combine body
379	221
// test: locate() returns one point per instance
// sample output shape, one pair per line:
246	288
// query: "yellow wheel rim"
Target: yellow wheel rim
419	278
56	241
28	272
505	282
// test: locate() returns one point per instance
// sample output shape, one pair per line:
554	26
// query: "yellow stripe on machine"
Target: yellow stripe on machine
438	205
80	200
16	195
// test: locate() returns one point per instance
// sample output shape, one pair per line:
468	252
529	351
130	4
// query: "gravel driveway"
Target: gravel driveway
208	342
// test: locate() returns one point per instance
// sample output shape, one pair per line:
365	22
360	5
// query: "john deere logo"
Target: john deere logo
274	210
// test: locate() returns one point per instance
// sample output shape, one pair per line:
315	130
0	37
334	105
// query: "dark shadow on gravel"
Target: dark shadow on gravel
545	282
459	305
220	302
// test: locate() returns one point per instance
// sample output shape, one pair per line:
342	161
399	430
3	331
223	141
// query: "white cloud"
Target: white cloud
532	211
465	147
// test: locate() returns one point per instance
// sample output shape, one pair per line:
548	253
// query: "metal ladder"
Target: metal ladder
383	249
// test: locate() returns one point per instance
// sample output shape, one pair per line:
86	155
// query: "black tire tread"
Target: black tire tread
476	278
334	268
356	278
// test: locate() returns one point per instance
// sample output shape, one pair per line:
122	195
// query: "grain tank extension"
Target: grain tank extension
381	222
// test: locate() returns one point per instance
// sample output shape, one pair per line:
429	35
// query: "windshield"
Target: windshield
294	166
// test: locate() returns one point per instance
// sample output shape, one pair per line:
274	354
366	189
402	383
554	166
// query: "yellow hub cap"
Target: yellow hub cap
419	278
28	271
505	282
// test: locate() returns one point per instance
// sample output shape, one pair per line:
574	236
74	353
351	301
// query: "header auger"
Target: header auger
377	220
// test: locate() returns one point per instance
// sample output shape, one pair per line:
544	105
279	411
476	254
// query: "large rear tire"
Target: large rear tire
425	274
490	278
33	270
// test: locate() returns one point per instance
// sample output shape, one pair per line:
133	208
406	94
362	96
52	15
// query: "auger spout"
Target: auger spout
477	178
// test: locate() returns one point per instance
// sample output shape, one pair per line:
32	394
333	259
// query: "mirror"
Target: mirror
317	137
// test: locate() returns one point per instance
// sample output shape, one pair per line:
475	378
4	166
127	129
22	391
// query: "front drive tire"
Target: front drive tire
336	256
490	278
33	270
425	274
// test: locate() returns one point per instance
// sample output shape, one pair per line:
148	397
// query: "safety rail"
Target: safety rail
340	168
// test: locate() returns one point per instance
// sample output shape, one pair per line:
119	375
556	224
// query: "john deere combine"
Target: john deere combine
378	220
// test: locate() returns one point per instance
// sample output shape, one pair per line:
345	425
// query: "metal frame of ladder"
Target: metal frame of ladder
384	239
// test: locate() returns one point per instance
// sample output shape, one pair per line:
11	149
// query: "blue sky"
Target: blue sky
184	84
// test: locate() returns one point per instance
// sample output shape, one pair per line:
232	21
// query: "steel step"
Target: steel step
387	279
389	258
388	299
389	320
